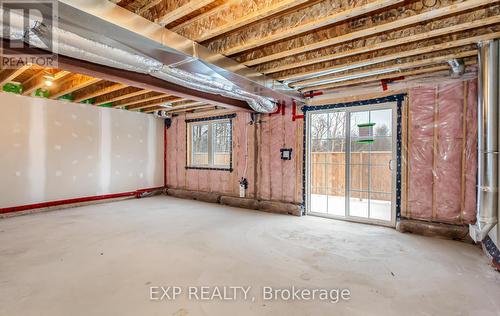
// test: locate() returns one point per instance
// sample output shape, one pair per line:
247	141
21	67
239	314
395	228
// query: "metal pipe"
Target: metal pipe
457	67
488	102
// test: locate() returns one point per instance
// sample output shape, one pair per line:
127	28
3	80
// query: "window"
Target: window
209	143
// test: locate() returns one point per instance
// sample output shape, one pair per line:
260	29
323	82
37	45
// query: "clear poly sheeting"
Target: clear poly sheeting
442	152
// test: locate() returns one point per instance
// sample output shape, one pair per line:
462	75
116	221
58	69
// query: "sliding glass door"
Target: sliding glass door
351	163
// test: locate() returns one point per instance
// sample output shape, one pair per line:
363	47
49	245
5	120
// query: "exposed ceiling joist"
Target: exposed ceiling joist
72	84
404	22
204	15
166	98
387	44
140	99
404	73
319	83
189	104
148	5
125	93
10	74
194	108
335	17
101	91
182	11
38	80
381	59
148	104
227	18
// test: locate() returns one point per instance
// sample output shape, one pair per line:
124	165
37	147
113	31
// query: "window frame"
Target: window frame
210	122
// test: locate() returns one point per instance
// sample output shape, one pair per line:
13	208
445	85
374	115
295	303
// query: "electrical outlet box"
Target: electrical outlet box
286	153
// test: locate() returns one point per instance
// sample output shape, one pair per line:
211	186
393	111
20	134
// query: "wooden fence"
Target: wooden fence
328	174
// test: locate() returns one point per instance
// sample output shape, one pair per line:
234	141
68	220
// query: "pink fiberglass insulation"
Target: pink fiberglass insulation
469	213
448	161
289	168
276	178
276	135
421	123
264	164
438	154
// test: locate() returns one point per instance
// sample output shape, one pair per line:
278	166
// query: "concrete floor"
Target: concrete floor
103	259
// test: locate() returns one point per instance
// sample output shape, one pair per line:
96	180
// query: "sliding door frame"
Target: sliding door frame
392	102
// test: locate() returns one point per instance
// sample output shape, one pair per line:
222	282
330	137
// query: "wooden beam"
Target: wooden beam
10	74
72	84
229	18
384	44
335	17
381	59
317	85
411	20
93	94
182	11
122	94
38	80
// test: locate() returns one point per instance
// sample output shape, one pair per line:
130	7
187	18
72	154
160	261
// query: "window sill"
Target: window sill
210	168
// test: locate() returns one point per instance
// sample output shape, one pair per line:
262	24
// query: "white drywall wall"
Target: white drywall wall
54	150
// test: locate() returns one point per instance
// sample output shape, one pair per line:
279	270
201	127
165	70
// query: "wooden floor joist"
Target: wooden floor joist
72	84
182	11
335	17
199	31
7	75
96	93
387	44
141	99
38	80
377	78
381	59
148	104
194	109
204	15
411	20
189	104
126	93
317	84
148	5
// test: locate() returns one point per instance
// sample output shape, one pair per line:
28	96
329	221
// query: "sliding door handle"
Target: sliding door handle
391	164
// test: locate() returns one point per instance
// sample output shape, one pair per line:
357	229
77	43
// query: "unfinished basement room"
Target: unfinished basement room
249	157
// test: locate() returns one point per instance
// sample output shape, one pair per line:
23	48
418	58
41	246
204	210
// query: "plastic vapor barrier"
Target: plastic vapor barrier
442	153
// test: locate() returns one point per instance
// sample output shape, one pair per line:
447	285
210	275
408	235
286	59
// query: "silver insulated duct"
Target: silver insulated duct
103	33
488	119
